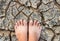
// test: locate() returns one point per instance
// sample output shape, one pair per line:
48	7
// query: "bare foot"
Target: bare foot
34	30
21	30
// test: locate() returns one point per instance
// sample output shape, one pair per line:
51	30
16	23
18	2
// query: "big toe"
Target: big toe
25	23
30	23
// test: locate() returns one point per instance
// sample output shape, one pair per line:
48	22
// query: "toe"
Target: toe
39	26
35	22
15	26
21	22
18	23
30	23
25	23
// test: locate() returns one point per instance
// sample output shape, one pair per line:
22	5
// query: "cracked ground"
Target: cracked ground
47	12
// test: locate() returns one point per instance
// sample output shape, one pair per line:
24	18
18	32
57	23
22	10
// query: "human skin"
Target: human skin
21	30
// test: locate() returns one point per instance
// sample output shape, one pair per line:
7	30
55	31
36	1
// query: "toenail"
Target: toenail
30	20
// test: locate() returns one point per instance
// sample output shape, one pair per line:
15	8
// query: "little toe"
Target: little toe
39	26
37	23
18	23
15	26
30	23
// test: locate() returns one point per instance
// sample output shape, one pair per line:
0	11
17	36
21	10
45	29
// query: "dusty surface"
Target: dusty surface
47	12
